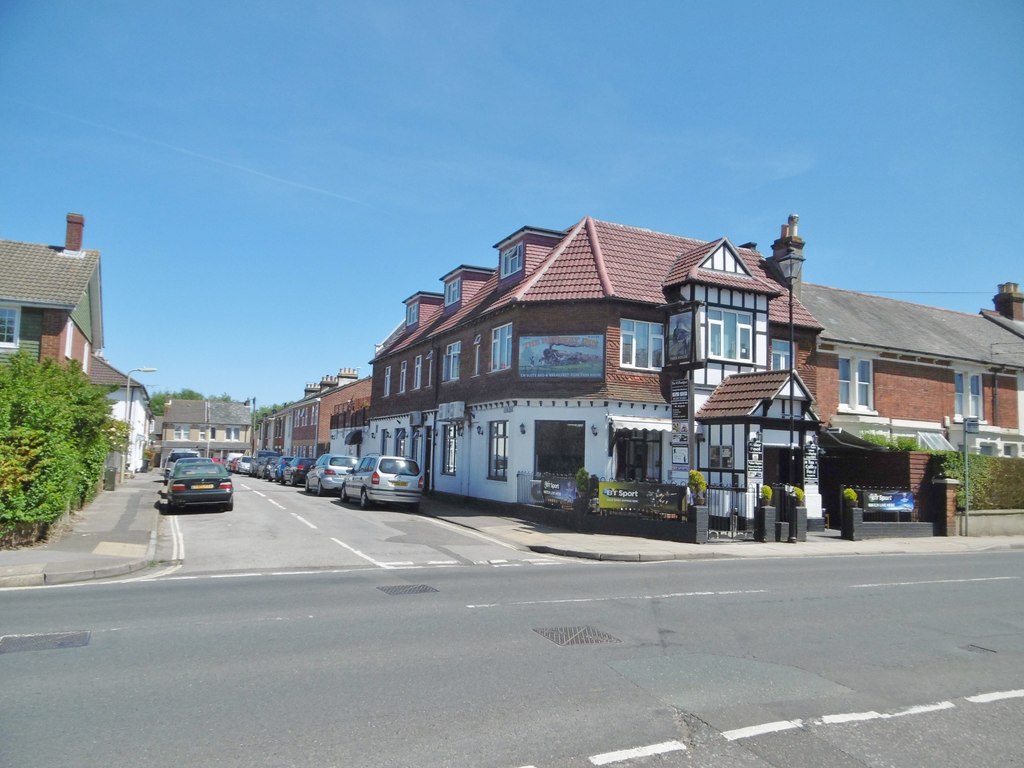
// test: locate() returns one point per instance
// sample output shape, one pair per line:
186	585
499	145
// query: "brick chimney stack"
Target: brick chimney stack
73	239
1009	302
789	240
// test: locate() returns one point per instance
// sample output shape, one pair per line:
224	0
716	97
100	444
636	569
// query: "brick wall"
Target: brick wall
909	391
51	345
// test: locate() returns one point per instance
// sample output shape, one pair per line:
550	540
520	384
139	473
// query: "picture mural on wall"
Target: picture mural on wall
563	357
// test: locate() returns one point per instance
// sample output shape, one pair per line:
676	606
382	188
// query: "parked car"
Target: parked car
259	464
202	482
328	474
295	471
384	479
243	464
173	456
277	472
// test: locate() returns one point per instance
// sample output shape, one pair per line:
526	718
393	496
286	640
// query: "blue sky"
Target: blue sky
267	182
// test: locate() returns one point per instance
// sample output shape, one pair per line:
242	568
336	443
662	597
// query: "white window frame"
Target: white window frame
452	356
417	372
512	260
730	327
412	314
69	338
968	390
387	381
182	432
14	325
857	391
781	354
234	434
452	291
654	333
402	373
501	348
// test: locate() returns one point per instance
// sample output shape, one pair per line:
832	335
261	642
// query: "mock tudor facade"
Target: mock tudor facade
598	347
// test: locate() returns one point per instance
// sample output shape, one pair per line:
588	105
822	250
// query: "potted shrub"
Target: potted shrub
766	495
698	485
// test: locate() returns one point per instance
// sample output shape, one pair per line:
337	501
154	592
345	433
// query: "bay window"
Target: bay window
643	344
730	334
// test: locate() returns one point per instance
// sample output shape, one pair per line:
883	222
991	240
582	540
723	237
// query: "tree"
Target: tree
159	399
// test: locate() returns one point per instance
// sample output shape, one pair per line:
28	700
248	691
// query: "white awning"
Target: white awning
638	422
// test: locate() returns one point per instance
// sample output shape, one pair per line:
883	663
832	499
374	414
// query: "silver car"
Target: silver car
328	474
384	479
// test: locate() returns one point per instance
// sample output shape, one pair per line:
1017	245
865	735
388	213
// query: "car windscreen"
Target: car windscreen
344	461
200	469
399	467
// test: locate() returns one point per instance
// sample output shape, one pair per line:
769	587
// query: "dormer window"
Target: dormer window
512	260
412	314
452	291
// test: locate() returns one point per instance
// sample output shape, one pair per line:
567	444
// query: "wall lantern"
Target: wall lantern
593	429
479	429
522	429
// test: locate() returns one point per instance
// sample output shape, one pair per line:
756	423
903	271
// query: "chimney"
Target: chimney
1009	301
789	242
73	239
348	373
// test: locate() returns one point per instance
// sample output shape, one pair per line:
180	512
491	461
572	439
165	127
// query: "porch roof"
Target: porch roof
742	393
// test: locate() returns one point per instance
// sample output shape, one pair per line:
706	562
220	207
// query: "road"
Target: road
273	645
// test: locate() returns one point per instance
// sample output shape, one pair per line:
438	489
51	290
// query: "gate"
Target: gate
730	513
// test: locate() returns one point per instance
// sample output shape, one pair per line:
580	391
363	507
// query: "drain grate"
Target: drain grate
47	642
407	589
576	635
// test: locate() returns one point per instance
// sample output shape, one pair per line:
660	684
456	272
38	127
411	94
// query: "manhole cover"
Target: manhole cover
407	589
47	642
576	635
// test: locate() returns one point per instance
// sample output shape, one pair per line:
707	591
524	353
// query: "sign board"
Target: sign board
647	497
558	492
755	460
971	425
561	357
888	501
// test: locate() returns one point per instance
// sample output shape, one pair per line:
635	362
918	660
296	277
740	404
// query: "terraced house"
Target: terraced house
642	355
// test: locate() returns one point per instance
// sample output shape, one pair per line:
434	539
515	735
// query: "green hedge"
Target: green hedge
55	433
996	482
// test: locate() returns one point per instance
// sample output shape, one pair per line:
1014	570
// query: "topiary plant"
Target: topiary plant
697	482
766	494
799	493
582	483
850	496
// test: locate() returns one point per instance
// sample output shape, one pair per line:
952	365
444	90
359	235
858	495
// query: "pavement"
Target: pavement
116	535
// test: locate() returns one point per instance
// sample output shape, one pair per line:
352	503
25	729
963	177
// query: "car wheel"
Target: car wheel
229	506
343	493
364	500
319	488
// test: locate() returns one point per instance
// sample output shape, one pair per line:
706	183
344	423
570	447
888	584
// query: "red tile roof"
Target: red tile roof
600	260
742	393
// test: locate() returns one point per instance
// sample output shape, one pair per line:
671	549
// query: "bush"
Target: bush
766	494
850	496
996	482
55	433
697	482
799	493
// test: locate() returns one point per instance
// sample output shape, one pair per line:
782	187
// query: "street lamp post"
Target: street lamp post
791	265
128	417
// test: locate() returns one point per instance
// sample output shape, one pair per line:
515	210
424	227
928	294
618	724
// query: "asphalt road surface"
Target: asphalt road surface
308	633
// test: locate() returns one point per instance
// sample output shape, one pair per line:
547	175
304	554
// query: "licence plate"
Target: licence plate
399	483
202	487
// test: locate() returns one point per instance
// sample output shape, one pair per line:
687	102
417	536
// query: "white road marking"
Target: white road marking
442	562
857	717
761	730
274	502
301	519
985	698
665	596
630	754
936	581
360	554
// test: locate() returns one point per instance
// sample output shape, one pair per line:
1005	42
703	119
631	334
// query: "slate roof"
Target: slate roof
742	393
194	412
45	275
883	323
602	260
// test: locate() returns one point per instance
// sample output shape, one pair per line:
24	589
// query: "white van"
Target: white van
173	456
